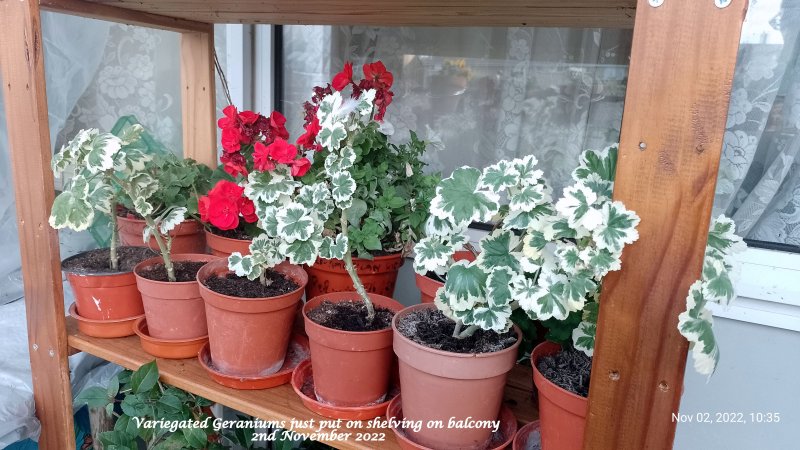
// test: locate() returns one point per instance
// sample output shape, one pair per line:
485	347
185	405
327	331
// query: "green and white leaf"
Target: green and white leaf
528	197
499	177
600	261
722	237
717	284
459	200
100	156
334	248
569	257
583	337
343	186
432	254
600	162
331	135
436	226
500	249
519	219
442	303
147	231
497	318
577	205
294	223
527	293
101	196
265	251
696	325
617	228
527	171
336	162
498	287
244	266
302	252
268	187
171	220
576	288
465	286
71	210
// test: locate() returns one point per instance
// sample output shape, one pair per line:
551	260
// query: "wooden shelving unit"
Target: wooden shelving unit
279	403
682	62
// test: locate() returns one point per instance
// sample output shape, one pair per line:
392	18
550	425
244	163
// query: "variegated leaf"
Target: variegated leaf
465	286
459	200
583	337
71	210
696	325
432	254
600	162
100	156
244	266
342	187
265	251
171	220
577	205
500	249
268	186
302	252
499	177
498	287
496	318
617	228
294	223
334	248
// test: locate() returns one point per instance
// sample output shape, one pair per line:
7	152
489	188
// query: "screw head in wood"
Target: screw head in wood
657	3
722	3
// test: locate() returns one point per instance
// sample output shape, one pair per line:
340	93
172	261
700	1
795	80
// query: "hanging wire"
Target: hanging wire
222	79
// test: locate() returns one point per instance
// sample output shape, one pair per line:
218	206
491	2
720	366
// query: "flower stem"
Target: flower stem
351	270
468	332
113	257
457	329
164	247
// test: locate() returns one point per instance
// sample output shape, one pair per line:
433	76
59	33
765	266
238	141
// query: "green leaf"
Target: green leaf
342	187
302	252
144	378
500	249
459	200
334	249
432	254
94	397
577	206
617	228
135	405
602	163
127	426
113	387
583	337
195	437
465	285
171	220
102	150
696	325
499	177
295	222
71	211
498	288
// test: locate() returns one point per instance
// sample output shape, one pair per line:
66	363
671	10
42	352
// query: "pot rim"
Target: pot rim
305	310
223	238
390	256
138	328
73	312
221	260
538	374
418	346
180	257
98	274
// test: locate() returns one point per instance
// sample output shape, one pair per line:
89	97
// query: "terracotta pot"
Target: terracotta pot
104	328
167	348
429	286
223	247
379	275
562	414
529	431
105	296
350	368
187	237
173	310
249	337
439	385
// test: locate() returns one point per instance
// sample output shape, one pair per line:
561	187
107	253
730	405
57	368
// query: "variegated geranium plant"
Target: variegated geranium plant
103	168
548	258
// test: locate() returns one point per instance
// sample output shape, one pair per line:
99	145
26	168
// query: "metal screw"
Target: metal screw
642	146
613	375
657	3
722	3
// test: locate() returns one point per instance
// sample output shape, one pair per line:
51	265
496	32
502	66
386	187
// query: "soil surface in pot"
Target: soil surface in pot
184	271
236	286
236	233
98	261
568	369
431	328
350	316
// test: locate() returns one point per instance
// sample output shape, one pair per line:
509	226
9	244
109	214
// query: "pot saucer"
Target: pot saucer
167	348
104	328
500	440
529	431
298	353
303	384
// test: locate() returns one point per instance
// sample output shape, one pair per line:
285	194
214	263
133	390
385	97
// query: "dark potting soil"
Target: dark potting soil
431	328
184	271
98	261
350	316
236	286
236	233
570	369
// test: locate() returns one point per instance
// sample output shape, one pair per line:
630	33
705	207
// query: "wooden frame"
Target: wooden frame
682	62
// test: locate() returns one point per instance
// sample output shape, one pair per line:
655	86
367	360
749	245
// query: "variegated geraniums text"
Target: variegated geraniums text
105	169
546	258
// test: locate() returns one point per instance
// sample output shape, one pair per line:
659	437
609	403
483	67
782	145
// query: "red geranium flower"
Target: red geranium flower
234	164
230	119
202	207
248	210
248	117
261	159
231	139
300	167
343	78
277	125
308	139
377	73
227	191
282	152
224	215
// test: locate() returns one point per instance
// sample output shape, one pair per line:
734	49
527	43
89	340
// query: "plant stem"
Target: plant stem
113	245
468	332
163	247
348	264
457	329
263	278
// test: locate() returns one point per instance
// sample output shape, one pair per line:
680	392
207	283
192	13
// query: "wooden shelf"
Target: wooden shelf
280	403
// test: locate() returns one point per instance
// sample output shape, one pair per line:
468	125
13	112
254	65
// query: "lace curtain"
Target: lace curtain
481	94
759	178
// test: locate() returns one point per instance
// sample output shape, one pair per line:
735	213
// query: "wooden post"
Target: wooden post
682	64
198	98
22	66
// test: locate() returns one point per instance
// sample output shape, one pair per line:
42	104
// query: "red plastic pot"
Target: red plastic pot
223	247
350	368
106	296
187	237
173	310
249	337
562	414
440	385
378	275
429	286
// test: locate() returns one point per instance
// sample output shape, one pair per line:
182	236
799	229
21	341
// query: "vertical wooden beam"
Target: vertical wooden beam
22	66
682	63
198	98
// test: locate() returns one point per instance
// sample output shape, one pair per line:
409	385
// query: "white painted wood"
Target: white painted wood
264	69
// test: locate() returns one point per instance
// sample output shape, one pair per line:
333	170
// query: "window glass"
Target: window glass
759	178
481	94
